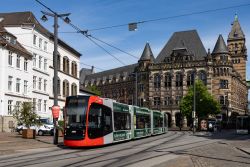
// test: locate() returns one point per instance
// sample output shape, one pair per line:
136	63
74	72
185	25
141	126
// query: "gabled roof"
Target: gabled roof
113	72
147	53
27	19
17	47
236	31
220	46
184	39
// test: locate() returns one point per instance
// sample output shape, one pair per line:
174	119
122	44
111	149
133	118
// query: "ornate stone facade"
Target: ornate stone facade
161	83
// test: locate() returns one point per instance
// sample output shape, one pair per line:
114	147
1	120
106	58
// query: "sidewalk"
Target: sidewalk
13	142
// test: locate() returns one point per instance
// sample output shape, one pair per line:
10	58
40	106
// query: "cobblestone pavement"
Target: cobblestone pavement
224	153
12	142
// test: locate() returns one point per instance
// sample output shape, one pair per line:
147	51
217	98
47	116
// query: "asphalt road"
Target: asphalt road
173	147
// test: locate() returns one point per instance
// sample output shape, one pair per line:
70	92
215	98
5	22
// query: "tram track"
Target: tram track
22	161
121	158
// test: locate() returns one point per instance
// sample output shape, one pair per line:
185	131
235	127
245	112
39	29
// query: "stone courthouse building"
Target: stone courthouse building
161	82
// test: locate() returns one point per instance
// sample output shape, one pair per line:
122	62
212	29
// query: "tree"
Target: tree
205	103
26	116
94	89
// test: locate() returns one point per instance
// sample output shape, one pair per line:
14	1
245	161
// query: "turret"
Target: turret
237	48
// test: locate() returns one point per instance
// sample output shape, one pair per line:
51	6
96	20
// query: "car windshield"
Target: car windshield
75	109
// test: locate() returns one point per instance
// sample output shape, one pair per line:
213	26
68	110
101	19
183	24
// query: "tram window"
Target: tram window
158	122
99	120
142	121
122	121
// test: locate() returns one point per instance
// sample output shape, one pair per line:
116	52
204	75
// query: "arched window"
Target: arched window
168	80
74	69
65	88
179	80
66	64
157	81
73	89
203	77
190	79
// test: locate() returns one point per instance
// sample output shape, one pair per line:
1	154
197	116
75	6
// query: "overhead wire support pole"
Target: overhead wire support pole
55	61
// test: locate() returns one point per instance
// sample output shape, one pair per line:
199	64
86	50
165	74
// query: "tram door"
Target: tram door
242	124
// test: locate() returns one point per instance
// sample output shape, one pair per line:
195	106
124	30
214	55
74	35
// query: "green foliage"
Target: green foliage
26	116
205	103
94	89
61	124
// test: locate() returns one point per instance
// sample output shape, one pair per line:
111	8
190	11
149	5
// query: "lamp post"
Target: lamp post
55	62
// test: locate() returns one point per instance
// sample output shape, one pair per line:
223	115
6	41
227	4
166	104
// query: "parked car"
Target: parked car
46	127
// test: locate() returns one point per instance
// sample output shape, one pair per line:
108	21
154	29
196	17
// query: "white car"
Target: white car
46	128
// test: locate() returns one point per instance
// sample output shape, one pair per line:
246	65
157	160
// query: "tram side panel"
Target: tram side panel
141	122
122	122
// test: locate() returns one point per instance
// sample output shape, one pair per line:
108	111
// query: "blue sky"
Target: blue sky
91	14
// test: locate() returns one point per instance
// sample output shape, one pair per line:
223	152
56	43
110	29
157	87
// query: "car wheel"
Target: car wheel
20	132
40	133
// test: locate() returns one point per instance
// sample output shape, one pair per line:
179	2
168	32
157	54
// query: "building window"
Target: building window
157	81
34	104
34	82
34	60
65	88
39	105
168	81
167	101
73	89
45	64
74	69
45	85
40	62
179	80
18	84
157	101
178	99
40	43
45	45
222	100
18	59
203	77
10	83
190	79
34	39
141	87
66	64
17	107
10	56
25	87
45	105
40	84
25	64
224	84
10	107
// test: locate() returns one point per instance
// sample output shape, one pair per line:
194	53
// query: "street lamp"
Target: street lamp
55	62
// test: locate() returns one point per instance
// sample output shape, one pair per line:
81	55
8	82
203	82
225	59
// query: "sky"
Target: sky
92	14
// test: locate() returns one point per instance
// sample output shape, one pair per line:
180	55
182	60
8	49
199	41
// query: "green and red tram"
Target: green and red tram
96	121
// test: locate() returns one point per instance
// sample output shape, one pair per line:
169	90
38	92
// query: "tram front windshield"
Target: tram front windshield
75	117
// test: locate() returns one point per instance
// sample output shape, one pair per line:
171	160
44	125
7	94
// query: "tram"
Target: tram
96	121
